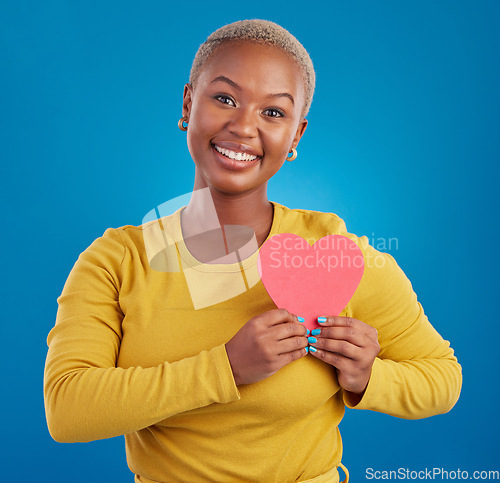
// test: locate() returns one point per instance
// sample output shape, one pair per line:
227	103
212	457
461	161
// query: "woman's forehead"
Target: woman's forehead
246	52
253	62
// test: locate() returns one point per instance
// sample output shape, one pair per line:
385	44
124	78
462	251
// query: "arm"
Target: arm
86	396
415	374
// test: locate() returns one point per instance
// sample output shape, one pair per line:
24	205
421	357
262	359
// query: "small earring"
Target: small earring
293	153
181	122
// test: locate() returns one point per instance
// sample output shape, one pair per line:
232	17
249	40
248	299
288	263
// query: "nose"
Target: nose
243	123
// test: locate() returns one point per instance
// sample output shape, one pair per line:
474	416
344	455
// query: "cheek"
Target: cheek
199	131
280	141
278	166
276	149
196	123
205	118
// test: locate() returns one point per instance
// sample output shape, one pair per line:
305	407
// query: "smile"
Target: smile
235	155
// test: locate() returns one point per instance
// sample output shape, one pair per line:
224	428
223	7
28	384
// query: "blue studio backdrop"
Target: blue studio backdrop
402	143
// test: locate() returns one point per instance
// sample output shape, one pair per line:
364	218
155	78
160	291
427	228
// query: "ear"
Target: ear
187	100
301	129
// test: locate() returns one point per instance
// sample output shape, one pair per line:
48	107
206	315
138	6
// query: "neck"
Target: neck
251	209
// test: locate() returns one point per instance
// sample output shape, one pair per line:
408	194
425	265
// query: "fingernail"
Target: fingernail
301	319
315	331
307	331
312	340
321	320
307	350
312	349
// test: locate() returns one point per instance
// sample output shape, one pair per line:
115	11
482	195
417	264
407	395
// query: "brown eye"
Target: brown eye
273	113
225	100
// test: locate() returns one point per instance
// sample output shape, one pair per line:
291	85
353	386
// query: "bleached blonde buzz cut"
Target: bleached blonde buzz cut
263	32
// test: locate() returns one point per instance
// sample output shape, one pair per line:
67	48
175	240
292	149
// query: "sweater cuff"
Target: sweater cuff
227	385
371	389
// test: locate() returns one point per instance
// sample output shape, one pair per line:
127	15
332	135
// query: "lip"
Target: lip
237	147
233	164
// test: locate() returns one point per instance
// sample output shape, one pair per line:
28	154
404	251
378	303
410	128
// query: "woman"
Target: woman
181	349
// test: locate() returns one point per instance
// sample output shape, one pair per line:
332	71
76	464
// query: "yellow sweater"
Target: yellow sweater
129	355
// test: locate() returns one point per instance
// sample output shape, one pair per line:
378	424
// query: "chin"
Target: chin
234	186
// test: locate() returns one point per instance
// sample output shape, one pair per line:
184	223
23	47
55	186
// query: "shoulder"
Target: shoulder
383	282
308	223
140	237
314	225
117	244
317	224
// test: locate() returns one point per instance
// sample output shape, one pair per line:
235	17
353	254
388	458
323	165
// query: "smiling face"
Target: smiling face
244	115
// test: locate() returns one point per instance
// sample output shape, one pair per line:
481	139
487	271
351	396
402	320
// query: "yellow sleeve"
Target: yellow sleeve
416	374
86	396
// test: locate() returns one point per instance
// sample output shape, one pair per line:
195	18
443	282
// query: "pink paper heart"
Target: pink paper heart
310	281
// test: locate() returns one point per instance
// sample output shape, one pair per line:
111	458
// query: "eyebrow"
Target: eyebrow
223	78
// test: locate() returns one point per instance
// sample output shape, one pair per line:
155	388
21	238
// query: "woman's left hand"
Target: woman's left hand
351	347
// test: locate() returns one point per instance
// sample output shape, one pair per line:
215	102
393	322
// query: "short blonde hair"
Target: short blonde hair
259	31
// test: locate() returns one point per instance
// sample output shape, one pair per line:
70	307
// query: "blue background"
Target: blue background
403	142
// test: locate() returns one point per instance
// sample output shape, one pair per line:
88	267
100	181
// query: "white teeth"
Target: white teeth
234	155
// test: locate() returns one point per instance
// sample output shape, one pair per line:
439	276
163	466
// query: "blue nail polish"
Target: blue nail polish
321	320
307	331
312	340
312	349
307	349
301	319
315	331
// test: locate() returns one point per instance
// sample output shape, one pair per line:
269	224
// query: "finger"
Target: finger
342	321
282	324
287	357
292	344
339	361
278	316
346	334
340	347
288	330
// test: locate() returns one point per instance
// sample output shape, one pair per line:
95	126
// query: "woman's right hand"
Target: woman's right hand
265	344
